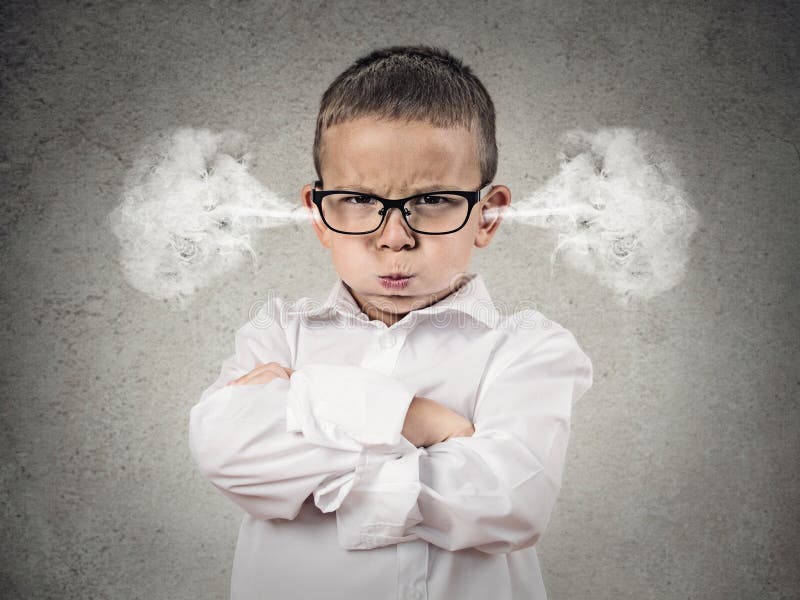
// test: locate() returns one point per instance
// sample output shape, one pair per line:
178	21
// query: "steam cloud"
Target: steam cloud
619	209
190	208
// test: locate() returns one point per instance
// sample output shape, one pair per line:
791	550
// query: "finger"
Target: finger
279	370
246	377
274	370
262	374
286	372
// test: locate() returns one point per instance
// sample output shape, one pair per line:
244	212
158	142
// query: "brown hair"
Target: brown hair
422	83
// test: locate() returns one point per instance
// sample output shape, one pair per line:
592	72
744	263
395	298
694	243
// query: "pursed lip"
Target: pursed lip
397	275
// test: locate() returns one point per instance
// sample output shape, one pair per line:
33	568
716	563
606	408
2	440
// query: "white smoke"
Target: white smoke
619	209
188	212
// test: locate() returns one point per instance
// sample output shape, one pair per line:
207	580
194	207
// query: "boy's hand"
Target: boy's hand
263	373
428	422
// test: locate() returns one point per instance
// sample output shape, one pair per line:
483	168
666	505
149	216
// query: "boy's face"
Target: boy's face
395	159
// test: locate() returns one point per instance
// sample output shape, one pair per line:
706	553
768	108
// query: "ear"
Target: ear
320	229
491	209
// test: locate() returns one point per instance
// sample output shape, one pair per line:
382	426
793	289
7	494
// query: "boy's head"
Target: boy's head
399	122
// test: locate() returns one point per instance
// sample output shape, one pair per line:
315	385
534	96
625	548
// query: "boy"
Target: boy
403	440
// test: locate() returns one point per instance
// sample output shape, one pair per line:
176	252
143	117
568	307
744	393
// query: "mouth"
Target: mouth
395	280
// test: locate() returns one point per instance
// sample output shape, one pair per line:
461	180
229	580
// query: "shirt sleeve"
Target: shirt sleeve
344	406
241	439
495	490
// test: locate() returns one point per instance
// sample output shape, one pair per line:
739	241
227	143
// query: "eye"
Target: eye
357	200
433	200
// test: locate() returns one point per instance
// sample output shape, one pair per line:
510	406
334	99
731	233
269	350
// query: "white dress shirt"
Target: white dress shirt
339	504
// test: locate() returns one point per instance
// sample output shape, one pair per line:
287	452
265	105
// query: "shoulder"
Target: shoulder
528	328
266	335
275	312
538	357
530	336
275	322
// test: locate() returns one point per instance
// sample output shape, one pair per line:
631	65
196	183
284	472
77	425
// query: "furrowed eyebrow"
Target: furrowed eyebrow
425	190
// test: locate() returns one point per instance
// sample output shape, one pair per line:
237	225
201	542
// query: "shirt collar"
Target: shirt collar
471	298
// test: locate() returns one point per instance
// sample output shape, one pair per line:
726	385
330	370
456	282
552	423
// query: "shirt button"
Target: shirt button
387	340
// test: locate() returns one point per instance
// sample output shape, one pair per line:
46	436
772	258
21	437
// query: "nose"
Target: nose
394	232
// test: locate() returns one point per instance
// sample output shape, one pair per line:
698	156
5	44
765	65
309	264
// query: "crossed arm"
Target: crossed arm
426	423
394	466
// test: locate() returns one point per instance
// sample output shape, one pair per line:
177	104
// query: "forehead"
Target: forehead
393	157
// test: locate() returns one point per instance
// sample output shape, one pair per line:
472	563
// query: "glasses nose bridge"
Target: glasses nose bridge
390	204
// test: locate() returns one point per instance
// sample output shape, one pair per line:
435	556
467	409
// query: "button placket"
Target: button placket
412	570
382	353
387	340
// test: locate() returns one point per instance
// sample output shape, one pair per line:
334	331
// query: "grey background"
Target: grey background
681	479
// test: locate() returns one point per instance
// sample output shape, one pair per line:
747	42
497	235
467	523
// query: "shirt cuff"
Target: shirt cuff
330	494
348	407
382	503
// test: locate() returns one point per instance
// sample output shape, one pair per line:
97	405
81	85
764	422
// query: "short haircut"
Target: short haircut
422	83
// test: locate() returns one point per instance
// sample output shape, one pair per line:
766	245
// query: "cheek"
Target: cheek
453	251
347	251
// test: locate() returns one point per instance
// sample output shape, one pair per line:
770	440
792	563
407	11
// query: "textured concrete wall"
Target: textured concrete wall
682	467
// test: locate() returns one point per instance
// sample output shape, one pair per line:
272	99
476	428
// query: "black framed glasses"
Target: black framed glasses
431	213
